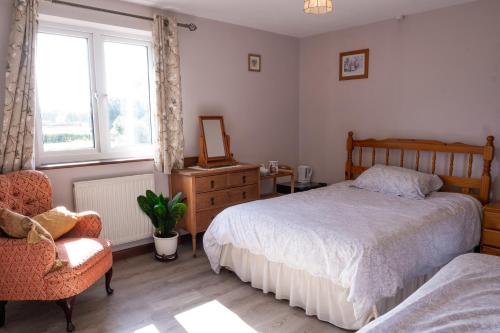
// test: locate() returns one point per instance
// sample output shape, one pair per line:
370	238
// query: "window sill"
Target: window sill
54	166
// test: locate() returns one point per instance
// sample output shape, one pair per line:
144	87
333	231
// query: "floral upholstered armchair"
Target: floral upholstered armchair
26	269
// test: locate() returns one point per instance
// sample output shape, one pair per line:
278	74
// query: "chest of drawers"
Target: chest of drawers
208	192
490	238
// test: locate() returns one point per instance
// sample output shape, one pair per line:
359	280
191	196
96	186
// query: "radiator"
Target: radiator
115	199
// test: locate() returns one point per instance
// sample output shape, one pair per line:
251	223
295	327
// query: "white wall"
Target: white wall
434	75
260	109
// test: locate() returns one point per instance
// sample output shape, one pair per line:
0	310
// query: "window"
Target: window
94	95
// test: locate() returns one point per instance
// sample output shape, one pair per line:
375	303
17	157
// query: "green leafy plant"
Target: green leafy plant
163	212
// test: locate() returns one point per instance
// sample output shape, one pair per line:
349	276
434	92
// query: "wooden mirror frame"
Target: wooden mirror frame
218	161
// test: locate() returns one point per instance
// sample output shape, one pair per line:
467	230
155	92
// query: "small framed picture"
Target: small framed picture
354	65
273	167
254	62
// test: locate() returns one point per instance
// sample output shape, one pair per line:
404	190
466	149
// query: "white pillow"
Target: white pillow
398	181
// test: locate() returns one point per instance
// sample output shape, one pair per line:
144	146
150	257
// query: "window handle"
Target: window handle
244	195
212	201
97	95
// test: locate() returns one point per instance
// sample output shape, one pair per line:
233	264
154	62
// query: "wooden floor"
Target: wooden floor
149	294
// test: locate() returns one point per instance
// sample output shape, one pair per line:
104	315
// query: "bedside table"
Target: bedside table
274	177
285	188
490	238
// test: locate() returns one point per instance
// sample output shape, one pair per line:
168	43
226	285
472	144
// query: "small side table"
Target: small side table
274	177
285	188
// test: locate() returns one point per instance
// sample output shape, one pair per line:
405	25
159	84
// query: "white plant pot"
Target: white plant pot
166	246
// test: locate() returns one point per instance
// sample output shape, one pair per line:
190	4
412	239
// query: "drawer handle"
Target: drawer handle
244	195
212	201
212	184
244	179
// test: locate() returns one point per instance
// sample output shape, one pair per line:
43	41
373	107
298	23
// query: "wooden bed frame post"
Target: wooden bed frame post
489	152
348	164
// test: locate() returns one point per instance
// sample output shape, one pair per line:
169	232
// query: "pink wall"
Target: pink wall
260	109
434	75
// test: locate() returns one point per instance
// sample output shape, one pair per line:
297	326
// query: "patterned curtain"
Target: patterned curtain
170	138
16	141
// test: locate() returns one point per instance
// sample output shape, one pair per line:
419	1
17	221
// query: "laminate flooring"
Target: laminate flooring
181	296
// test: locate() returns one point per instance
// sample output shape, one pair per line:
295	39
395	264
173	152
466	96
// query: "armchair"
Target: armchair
26	269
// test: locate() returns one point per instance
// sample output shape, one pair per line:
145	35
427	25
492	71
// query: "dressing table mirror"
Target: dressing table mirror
214	144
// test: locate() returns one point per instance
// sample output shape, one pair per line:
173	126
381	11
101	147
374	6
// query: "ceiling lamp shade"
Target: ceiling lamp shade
318	6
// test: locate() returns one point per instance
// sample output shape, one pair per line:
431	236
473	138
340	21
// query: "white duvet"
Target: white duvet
464	296
368	242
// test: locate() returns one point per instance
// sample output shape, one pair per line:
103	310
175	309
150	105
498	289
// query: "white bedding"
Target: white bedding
464	296
368	242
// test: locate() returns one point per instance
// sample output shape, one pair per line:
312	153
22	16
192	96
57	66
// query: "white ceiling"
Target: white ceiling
287	17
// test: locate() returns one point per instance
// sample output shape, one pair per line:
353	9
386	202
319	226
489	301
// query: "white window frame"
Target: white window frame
102	149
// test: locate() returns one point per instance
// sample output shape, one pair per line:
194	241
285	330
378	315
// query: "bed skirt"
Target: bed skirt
317	296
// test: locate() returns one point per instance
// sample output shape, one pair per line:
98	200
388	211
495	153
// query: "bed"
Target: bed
464	296
347	255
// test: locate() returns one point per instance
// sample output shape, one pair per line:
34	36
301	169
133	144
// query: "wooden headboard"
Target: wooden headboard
478	187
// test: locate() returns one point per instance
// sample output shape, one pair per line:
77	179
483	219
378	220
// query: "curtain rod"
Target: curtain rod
190	26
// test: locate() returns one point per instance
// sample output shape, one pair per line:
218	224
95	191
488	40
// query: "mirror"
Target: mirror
212	129
214	143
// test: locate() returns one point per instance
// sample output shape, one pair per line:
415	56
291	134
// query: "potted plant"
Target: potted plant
164	214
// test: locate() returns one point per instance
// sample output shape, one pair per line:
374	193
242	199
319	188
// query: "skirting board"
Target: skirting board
133	244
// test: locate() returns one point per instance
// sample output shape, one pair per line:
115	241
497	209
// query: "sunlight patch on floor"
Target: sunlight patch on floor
148	329
212	317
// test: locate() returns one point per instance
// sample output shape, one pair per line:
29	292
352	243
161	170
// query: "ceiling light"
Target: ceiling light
318	6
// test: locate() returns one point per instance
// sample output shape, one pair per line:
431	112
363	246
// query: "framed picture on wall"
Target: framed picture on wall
354	64
254	62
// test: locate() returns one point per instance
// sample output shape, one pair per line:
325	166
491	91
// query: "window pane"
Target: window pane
64	93
127	87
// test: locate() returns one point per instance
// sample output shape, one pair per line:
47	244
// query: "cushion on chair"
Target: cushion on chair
20	226
80	252
88	259
57	221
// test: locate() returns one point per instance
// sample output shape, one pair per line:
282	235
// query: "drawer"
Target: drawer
212	199
491	237
204	218
492	220
490	250
243	194
211	183
243	178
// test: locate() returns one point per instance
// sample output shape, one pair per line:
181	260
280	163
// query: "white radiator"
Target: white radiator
115	199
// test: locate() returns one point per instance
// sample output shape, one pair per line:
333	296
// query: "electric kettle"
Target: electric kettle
304	174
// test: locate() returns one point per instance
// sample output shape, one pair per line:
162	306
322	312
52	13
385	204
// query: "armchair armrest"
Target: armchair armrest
23	265
89	225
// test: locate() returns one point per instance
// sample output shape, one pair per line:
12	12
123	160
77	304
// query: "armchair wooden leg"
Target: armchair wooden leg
67	306
2	313
109	275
